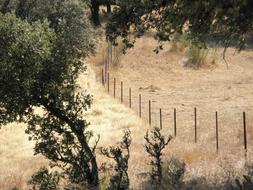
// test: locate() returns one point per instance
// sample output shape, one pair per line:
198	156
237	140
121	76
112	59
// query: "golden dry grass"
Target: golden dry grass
108	118
210	89
17	162
161	79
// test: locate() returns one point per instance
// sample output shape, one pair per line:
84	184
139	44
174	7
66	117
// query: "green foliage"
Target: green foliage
105	183
75	36
25	51
40	62
44	180
197	55
120	154
15	188
247	182
173	171
201	19
154	147
196	51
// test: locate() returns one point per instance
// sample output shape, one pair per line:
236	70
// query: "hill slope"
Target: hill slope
161	79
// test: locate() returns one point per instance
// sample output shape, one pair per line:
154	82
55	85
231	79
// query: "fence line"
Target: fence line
245	142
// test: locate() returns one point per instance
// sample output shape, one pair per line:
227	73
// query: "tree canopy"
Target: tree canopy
62	40
232	20
25	53
41	53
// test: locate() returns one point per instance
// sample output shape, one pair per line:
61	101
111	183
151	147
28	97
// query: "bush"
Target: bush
15	188
173	172
44	180
39	66
197	55
120	154
195	50
247	181
155	143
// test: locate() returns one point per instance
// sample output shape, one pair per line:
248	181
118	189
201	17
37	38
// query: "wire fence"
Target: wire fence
159	117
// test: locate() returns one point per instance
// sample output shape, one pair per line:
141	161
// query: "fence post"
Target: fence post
108	82
140	105
175	122
195	124
102	76
245	134
130	97
121	99
161	119
217	132
114	87
149	112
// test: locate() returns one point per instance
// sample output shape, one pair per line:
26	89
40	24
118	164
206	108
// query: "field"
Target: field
160	78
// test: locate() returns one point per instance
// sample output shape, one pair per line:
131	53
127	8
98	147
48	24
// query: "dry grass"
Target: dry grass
210	89
202	160
17	162
108	118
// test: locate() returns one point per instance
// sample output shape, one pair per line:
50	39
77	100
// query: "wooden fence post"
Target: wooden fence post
108	82
140	105
195	124
130	97
149	112
217	132
245	134
175	122
102	76
114	87
161	119
121	99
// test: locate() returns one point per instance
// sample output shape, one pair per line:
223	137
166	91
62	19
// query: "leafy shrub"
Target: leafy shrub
197	55
195	50
247	182
154	147
173	172
15	188
120	154
44	180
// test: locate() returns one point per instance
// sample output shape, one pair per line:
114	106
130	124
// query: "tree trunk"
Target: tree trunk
95	12
108	5
77	129
94	168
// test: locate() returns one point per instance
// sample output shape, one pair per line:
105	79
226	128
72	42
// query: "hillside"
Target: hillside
108	118
213	87
161	79
158	77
